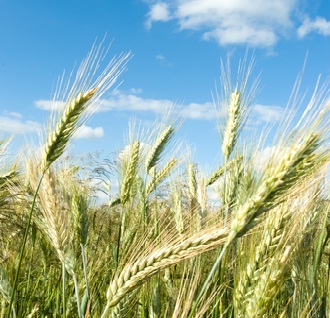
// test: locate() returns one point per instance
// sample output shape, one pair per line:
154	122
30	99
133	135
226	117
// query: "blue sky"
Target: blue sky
177	46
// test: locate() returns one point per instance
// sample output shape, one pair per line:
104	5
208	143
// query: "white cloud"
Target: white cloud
160	57
45	104
319	25
124	102
121	101
86	132
200	111
253	22
158	12
13	114
135	90
17	125
269	114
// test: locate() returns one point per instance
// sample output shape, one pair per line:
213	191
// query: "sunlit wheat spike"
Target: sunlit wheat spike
160	176
278	180
234	120
221	170
130	173
157	149
268	285
59	138
81	100
55	220
270	239
192	182
135	274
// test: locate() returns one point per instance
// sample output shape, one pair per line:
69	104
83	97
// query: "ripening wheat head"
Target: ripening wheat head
80	101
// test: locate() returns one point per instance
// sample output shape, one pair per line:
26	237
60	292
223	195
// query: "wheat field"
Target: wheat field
162	246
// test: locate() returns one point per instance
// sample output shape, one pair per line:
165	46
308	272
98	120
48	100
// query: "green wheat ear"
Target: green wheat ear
59	138
158	147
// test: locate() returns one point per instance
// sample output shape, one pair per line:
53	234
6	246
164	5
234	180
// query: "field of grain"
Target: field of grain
163	246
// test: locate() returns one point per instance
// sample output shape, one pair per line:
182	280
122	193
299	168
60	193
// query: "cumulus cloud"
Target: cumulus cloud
121	101
254	22
86	132
319	25
46	104
158	12
16	125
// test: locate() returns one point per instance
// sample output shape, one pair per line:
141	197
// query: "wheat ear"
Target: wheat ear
221	170
192	181
231	132
55	222
158	147
160	176
130	173
270	240
79	207
59	138
268	285
278	181
135	274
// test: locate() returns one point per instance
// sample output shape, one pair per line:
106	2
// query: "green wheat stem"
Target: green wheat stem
23	245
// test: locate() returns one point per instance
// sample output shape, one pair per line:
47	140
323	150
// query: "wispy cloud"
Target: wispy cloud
318	25
12	114
160	57
268	114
